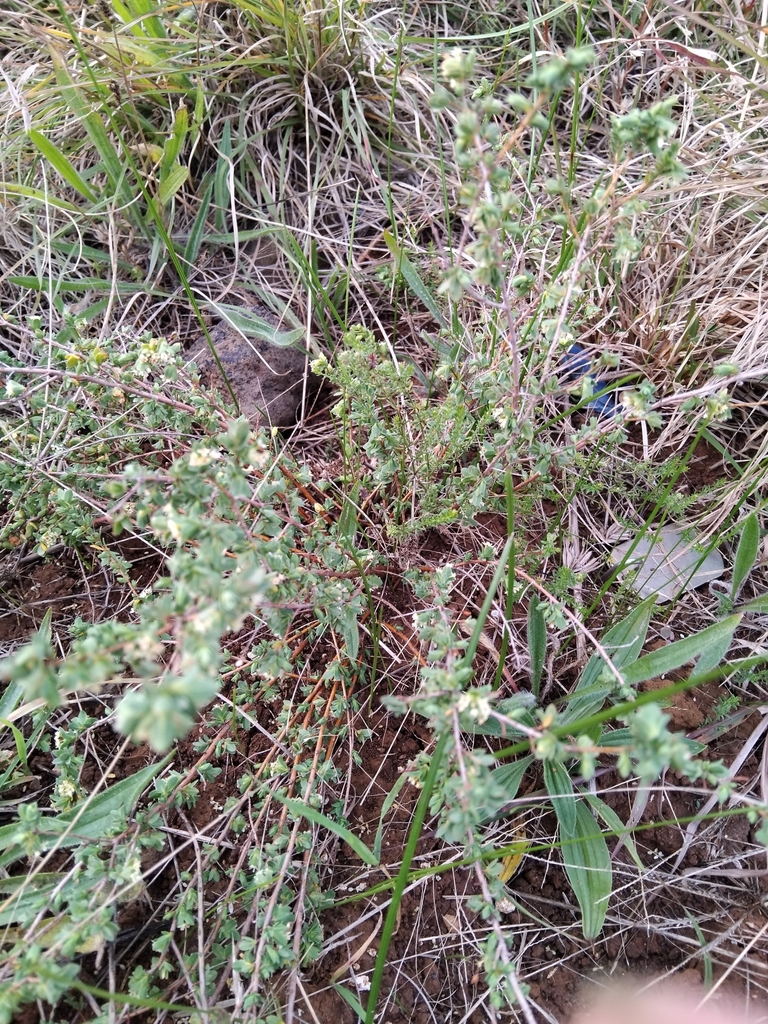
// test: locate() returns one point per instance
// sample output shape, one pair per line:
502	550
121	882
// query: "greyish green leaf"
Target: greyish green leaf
587	864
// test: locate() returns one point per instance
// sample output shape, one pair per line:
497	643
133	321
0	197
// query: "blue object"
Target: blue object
577	364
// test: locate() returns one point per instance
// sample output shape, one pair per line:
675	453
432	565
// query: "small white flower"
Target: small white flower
475	705
203	456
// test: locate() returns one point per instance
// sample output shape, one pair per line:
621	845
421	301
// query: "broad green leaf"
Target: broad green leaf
587	864
170	185
759	605
616	825
60	163
560	789
413	279
537	641
509	777
673	656
90	821
302	810
623	643
713	655
746	553
623	738
351	1000
254	326
175	142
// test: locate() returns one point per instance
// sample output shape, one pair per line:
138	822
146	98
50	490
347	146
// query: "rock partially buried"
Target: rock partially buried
264	368
666	564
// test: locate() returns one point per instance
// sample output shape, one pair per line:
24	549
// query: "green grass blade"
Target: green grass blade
587	864
402	877
192	248
617	827
94	126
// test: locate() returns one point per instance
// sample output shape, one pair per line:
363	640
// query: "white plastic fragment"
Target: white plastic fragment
666	564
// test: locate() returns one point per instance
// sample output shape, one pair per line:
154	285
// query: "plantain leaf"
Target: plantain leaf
560	789
254	326
508	777
616	825
587	864
302	810
672	656
171	184
60	163
746	553
517	707
175	142
222	178
95	819
385	809
537	641
412	278
84	284
11	188
623	642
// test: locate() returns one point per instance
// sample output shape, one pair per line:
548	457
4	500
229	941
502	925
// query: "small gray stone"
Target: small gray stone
267	379
667	564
